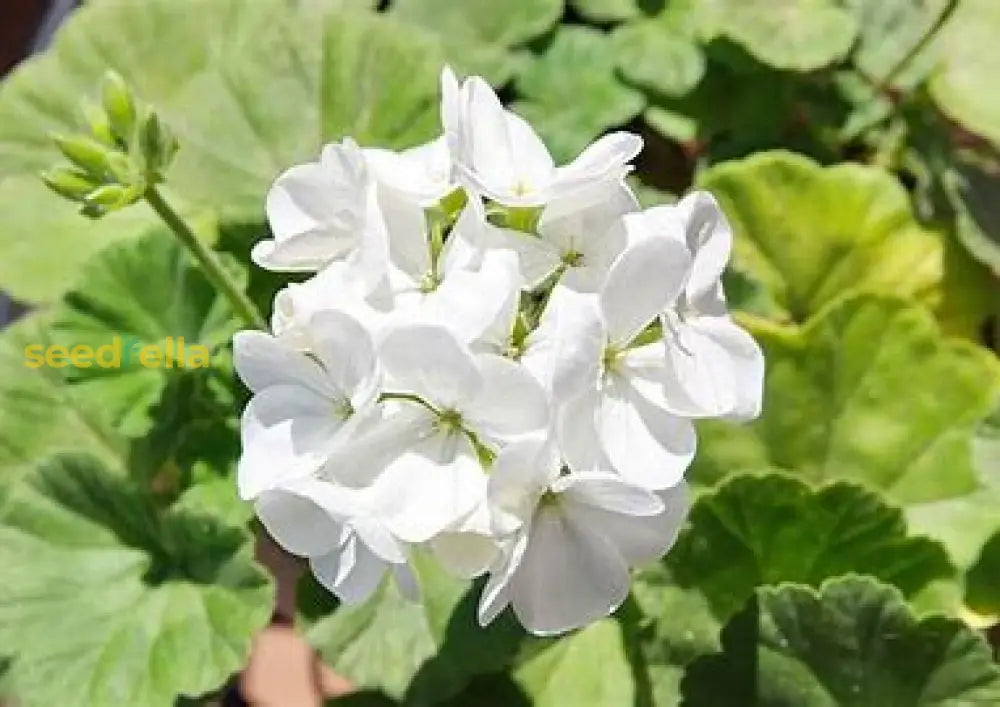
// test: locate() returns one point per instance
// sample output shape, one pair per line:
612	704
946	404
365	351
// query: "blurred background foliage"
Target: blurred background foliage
844	548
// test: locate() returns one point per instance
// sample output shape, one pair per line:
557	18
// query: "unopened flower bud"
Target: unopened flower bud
69	183
119	104
87	154
109	195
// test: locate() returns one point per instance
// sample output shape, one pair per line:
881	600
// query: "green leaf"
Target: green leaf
28	270
854	643
796	35
658	56
39	413
890	32
606	10
570	93
968	64
965	523
809	234
588	667
982	582
107	601
147	311
418	650
869	390
249	88
974	193
674	626
479	34
756	530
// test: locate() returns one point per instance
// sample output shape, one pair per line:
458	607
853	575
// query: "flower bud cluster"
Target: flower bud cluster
498	361
126	149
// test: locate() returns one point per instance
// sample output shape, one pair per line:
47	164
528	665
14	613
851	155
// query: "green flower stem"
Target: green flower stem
209	263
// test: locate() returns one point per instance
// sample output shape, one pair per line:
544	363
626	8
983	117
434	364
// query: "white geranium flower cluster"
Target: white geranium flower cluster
498	360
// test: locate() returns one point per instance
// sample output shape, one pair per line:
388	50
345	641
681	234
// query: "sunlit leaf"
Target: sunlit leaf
416	650
869	391
136	336
479	34
107	601
40	414
968	64
250	87
798	35
570	93
588	667
809	234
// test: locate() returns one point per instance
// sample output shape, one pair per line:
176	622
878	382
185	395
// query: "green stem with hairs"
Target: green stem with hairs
207	260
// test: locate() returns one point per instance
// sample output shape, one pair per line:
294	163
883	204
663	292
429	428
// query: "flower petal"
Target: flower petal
417	497
261	360
297	523
709	237
428	361
520	474
496	593
346	350
287	433
576	428
646	445
646	278
510	402
564	352
605	159
352	572
639	539
569	576
609	492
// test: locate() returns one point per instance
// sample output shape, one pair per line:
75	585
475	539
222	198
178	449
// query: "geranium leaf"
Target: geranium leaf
250	87
965	523
673	625
797	35
570	93
889	31
868	390
606	10
109	601
974	193
853	643
420	650
982	582
141	334
967	65
479	34
809	233
39	413
589	667
659	56
756	530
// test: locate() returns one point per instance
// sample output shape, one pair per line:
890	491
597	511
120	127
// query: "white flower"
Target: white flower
577	237
517	402
322	212
453	284
500	157
421	174
311	391
348	551
338	287
622	420
572	539
447	408
715	369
